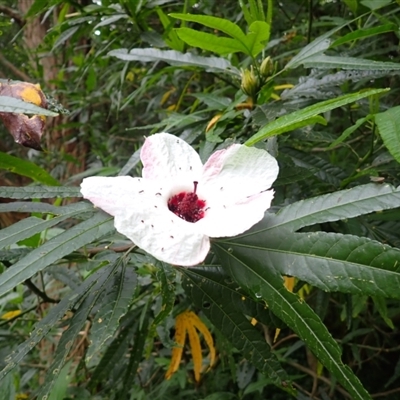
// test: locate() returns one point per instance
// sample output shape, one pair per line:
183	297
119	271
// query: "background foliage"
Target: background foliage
84	316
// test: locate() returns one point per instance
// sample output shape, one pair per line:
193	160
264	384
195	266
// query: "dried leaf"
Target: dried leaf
26	130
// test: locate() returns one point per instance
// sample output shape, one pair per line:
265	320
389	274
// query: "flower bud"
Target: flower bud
266	67
249	82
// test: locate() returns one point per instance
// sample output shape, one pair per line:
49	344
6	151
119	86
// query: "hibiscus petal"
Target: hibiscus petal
231	220
141	214
165	236
165	156
235	173
111	194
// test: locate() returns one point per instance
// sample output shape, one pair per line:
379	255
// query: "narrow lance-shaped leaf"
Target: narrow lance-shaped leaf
69	336
353	63
114	305
39	192
263	280
388	123
30	226
281	124
12	105
363	33
349	203
53	250
173	57
224	306
26	168
43	326
332	262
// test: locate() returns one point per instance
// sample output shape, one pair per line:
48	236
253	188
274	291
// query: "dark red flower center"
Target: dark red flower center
187	205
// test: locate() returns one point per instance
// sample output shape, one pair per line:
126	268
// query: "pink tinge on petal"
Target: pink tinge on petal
236	173
165	156
141	213
230	220
111	193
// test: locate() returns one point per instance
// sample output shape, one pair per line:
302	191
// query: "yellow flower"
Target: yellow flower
187	323
11	314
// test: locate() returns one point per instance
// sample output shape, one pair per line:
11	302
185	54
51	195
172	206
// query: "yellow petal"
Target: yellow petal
289	282
198	323
11	314
195	346
180	336
213	121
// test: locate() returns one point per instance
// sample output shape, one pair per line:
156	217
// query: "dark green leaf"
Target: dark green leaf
332	262
175	58
363	33
323	61
281	124
56	248
30	226
260	277
26	168
343	204
76	323
39	192
113	306
209	290
54	315
388	123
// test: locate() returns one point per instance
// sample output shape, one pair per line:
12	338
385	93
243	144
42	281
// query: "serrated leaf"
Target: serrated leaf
347	132
113	363
12	105
280	124
43	327
114	305
388	123
53	250
332	262
220	302
354	63
110	20
29	207
317	46
135	356
166	275
39	192
26	168
30	226
322	169
363	33
261	278
76	323
64	36
350	203
319	86
175	58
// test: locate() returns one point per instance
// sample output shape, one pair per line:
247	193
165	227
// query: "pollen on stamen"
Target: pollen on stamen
187	205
